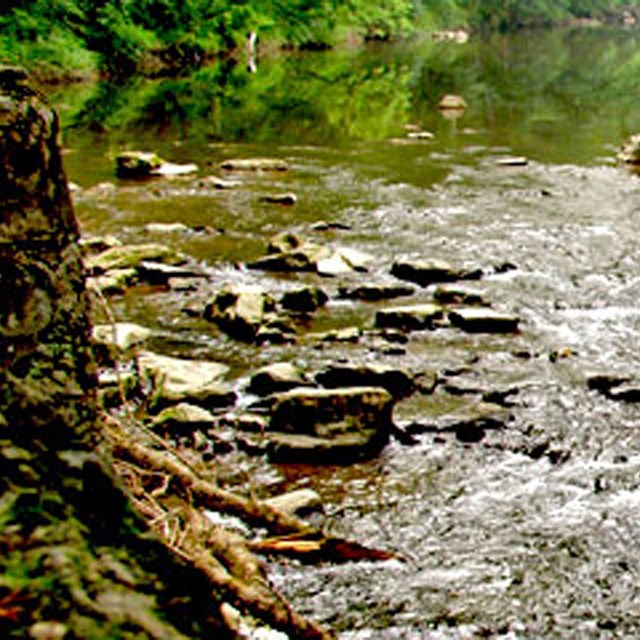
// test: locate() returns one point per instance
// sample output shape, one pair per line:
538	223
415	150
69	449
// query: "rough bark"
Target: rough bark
75	560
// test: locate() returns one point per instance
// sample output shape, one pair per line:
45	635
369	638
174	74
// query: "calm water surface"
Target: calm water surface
534	531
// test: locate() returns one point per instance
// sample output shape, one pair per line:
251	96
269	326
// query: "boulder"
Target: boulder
131	256
306	300
426	272
483	320
323	425
254	164
176	380
276	378
398	382
410	318
241	311
137	164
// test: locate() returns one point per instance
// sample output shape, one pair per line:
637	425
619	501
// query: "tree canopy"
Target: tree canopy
122	36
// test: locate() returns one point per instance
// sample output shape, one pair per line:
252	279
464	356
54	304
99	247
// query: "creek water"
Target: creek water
534	531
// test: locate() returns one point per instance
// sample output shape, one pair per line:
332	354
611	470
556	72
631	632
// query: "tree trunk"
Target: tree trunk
74	558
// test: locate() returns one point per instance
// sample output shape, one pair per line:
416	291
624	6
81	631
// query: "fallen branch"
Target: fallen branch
208	495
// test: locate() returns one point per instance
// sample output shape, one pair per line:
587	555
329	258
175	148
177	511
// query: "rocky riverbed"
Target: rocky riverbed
431	331
467	367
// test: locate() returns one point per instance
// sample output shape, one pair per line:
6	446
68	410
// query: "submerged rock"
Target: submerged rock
483	320
321	425
410	318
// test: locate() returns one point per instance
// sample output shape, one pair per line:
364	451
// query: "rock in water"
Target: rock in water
330	425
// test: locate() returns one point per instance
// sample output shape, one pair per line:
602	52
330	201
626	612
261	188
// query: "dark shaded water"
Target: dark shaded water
534	531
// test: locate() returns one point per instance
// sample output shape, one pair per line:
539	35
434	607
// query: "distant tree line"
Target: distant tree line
122	36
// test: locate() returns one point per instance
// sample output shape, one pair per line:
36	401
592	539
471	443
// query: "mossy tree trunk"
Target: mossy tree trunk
74	559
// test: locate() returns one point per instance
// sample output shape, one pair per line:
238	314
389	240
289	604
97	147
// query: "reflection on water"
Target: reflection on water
531	532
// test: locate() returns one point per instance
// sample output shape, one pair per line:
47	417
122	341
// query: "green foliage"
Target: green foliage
129	34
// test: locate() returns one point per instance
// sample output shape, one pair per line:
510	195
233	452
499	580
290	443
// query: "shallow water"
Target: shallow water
533	531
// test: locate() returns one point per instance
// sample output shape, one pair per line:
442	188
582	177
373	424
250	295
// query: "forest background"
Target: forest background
77	38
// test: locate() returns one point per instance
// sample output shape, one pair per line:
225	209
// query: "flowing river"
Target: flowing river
534	530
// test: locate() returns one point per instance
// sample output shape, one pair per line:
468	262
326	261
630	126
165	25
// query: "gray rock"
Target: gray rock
113	282
275	378
131	256
183	417
137	164
176	380
306	300
157	273
398	382
297	503
375	293
112	340
304	257
410	318
254	164
426	272
286	199
241	311
452	294
630	151
483	320
339	425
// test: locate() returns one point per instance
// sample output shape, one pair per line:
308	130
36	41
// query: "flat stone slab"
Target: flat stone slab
255	164
398	382
410	318
483	320
131	256
330	425
426	272
179	380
